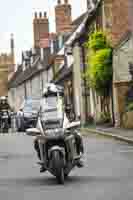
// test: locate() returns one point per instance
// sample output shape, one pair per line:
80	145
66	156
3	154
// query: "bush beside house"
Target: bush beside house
99	71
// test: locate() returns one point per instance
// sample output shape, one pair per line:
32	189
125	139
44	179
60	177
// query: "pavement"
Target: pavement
107	174
125	135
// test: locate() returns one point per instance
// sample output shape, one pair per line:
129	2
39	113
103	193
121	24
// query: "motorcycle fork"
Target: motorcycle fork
42	153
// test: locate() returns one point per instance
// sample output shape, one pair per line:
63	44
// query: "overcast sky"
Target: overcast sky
16	17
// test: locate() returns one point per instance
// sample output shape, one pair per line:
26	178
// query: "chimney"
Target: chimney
40	28
63	17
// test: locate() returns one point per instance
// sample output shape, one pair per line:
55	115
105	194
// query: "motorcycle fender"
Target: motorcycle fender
56	148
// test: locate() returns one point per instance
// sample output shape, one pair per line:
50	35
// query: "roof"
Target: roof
20	76
78	20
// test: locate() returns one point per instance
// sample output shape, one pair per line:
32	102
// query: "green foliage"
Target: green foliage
97	41
99	62
130	107
105	118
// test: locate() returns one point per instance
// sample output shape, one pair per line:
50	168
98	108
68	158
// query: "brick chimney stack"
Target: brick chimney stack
40	27
63	17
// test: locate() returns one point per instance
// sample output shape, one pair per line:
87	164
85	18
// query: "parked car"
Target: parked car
27	115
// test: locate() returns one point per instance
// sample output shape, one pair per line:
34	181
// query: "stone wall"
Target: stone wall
123	54
3	81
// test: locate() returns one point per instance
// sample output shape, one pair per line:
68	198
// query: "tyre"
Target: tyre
66	175
5	126
61	176
57	161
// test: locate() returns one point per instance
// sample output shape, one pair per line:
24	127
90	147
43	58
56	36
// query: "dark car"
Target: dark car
27	115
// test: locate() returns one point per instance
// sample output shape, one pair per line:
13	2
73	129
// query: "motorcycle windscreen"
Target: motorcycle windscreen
52	112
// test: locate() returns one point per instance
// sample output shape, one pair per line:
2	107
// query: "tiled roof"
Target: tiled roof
20	76
78	20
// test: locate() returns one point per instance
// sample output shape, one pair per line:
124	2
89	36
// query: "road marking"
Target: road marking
13	134
126	151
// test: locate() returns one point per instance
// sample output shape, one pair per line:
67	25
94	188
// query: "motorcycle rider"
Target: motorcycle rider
5	106
53	89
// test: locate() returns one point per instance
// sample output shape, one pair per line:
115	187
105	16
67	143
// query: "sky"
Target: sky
16	16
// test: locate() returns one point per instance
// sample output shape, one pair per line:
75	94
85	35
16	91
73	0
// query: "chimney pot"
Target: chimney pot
35	14
45	14
66	1
59	2
40	14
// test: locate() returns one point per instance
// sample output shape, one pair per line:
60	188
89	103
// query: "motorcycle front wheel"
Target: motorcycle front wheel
5	126
57	163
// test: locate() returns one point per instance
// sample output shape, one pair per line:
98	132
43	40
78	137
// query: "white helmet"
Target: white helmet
49	88
3	98
52	88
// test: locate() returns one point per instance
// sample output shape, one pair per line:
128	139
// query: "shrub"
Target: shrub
90	119
105	118
130	107
99	63
97	41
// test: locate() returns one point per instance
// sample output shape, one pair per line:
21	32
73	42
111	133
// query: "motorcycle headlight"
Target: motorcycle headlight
54	132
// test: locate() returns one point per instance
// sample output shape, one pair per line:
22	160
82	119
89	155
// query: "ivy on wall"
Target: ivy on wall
99	66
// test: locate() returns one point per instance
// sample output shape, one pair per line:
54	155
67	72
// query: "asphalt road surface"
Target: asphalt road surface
107	175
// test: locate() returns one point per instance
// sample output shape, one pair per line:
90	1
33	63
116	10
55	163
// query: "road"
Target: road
107	175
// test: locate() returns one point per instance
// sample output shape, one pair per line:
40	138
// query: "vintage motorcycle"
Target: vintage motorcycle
57	138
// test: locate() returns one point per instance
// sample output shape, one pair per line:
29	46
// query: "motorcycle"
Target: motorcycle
57	142
4	121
